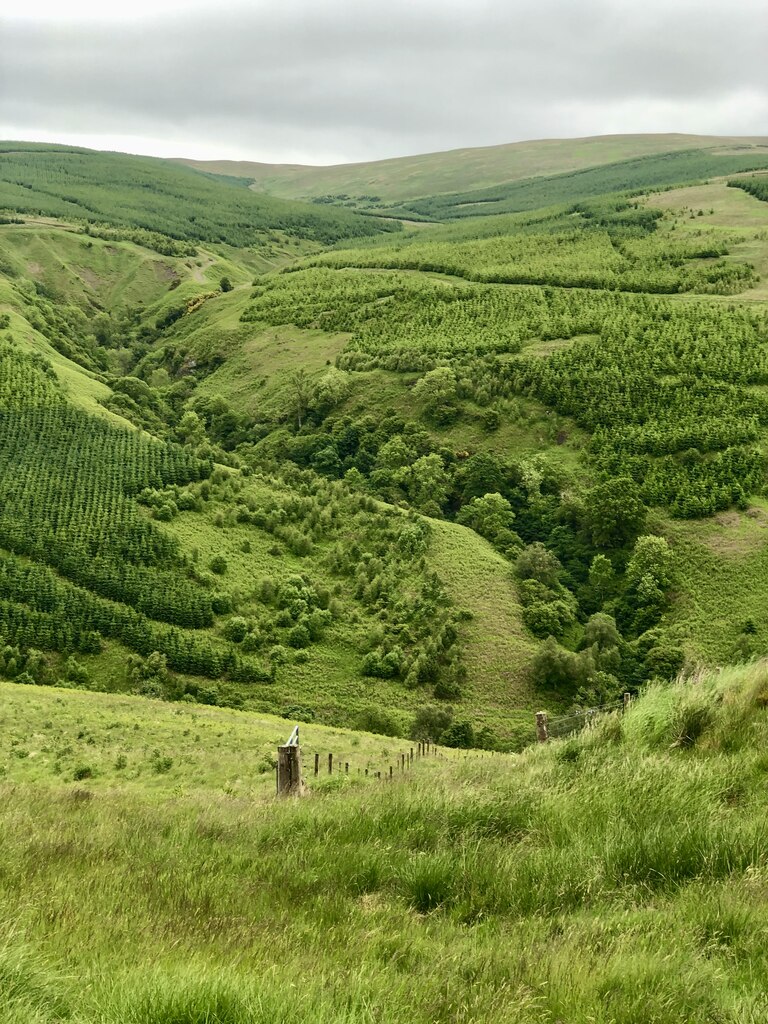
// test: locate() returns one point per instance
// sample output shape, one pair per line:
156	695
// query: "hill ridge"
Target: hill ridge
294	180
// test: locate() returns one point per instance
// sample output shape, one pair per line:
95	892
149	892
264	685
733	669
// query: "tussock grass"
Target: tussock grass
620	875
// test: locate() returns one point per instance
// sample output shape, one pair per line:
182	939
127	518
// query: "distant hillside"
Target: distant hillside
654	171
158	196
460	169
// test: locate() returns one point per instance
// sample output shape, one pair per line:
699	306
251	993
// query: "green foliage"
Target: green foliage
492	517
755	186
641	173
588	248
615	512
626	863
159	196
431	722
67	481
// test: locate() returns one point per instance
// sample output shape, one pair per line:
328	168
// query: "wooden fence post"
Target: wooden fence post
317	764
330	764
346	767
289	770
627	701
541	726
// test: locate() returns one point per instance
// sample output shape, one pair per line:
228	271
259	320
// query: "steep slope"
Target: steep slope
461	169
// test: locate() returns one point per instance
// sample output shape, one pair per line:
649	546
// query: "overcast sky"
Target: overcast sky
330	81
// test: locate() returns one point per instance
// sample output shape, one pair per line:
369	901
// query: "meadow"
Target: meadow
264	463
640	174
617	875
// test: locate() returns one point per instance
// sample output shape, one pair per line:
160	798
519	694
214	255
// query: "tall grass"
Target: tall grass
618	876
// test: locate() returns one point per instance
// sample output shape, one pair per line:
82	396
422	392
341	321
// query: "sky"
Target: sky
336	81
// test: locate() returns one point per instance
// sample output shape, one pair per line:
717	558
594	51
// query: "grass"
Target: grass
725	209
457	170
724	585
495	646
640	173
617	876
111	742
498	648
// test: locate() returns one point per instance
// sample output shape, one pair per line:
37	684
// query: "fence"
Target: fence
567	725
293	770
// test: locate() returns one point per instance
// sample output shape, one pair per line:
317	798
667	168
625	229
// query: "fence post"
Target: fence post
542	734
627	702
411	757
289	770
346	767
330	764
317	764
390	773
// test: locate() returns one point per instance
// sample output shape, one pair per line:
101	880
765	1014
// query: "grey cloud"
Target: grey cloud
366	80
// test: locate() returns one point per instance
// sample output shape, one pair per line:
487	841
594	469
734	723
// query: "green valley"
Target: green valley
267	463
296	465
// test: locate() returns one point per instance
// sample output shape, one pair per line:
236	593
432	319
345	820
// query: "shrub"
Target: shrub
549	619
459	734
299	636
373	719
430	722
236	629
298	713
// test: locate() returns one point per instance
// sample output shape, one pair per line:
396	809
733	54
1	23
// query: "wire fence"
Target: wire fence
298	767
567	725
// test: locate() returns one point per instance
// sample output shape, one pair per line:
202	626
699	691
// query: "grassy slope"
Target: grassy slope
159	195
459	169
617	877
723	561
96	275
255	378
498	647
724	209
113	274
49	733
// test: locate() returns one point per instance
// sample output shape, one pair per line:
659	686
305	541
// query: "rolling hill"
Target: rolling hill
298	465
461	170
264	463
